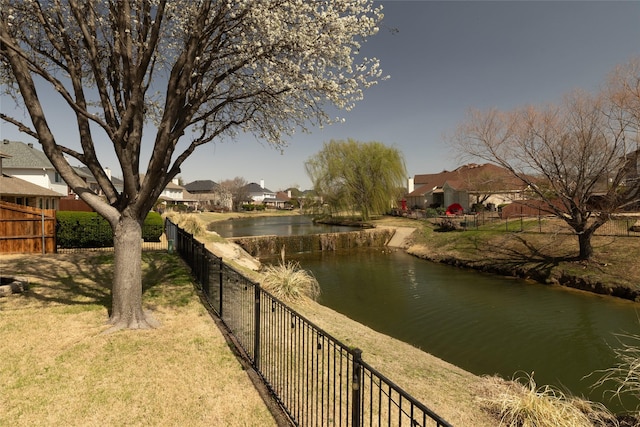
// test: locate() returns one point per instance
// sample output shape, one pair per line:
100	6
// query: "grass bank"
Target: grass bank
544	257
59	368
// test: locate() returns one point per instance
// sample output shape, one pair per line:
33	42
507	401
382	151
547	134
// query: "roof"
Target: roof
170	185
470	175
11	186
255	188
201	186
23	156
84	172
281	195
420	191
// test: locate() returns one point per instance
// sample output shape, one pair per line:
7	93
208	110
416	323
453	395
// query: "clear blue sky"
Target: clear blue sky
445	57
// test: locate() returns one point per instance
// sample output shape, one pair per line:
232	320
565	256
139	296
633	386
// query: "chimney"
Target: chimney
176	181
289	193
410	185
262	183
108	172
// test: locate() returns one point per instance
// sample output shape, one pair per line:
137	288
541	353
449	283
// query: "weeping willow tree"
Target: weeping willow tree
359	177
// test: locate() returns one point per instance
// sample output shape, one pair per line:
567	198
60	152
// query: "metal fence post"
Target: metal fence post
256	330
356	388
220	280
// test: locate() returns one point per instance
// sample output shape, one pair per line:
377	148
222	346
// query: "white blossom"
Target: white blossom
217	66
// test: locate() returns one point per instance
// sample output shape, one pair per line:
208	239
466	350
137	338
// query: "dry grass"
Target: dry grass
191	223
624	378
288	282
521	403
59	368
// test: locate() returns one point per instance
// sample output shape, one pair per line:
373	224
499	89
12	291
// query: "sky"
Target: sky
443	58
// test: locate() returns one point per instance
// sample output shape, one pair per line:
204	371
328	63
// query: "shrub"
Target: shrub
90	230
153	227
448	224
431	213
82	230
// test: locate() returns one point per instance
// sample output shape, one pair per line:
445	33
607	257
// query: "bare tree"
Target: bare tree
189	71
237	188
571	156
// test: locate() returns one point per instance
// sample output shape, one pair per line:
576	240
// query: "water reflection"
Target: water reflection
296	225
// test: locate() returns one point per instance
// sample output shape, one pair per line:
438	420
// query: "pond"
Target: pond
294	225
484	323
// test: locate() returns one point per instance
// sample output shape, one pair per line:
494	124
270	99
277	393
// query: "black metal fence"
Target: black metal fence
317	380
617	226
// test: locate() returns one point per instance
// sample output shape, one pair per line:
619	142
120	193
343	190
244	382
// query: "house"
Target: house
173	192
256	193
25	162
281	200
207	194
21	192
470	184
91	181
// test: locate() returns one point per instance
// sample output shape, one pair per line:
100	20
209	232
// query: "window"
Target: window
57	178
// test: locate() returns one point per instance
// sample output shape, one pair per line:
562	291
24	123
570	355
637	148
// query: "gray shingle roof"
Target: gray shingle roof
23	155
202	186
85	173
255	188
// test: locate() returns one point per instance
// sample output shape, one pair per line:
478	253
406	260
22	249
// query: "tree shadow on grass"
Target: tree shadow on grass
85	278
64	279
524	255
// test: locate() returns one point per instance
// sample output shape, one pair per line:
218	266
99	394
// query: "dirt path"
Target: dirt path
401	237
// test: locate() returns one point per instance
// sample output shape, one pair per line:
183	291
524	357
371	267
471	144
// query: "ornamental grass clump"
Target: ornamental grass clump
521	403
624	377
290	283
187	222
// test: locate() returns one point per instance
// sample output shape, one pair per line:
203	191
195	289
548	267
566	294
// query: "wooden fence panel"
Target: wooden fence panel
23	229
74	205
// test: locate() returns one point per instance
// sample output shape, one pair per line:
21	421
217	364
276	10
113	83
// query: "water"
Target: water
483	323
294	225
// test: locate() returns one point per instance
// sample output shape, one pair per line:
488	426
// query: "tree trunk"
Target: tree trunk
126	293
584	241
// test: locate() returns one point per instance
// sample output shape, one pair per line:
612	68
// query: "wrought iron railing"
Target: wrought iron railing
317	380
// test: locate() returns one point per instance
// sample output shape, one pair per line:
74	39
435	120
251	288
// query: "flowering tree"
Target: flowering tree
195	70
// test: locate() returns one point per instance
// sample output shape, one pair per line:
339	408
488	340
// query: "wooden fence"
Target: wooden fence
24	229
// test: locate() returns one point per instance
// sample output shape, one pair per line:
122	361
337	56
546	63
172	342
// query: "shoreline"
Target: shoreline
545	259
558	277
